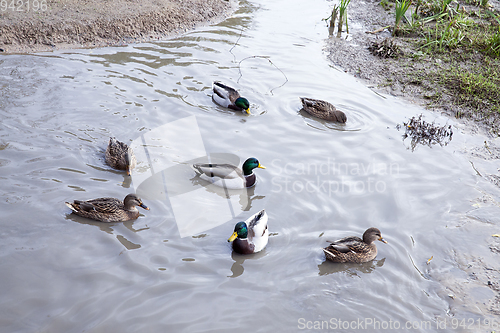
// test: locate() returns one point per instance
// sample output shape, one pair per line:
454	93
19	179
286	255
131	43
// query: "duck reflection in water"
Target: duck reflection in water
237	267
246	196
351	269
109	228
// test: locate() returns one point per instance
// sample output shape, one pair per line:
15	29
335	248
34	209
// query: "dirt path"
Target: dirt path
45	25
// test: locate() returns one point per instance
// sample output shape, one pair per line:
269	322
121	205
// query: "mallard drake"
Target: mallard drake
252	235
354	249
229	98
120	156
229	176
108	209
323	110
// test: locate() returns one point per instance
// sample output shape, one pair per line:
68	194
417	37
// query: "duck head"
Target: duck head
243	103
240	231
371	235
251	164
133	200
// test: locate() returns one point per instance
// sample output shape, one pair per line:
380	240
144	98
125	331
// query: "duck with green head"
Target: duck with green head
252	235
228	175
353	248
229	98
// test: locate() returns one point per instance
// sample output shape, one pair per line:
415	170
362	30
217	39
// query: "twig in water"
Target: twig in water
486	146
473	167
267	58
236	43
378	30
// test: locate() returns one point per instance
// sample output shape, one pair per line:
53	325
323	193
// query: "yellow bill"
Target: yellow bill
233	237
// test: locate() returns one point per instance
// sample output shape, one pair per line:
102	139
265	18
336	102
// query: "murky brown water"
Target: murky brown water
61	273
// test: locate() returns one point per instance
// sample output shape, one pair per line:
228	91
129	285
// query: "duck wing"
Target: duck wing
350	244
226	171
258	234
100	205
225	92
116	148
257	224
322	109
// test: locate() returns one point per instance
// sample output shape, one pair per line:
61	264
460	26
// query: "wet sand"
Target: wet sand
46	25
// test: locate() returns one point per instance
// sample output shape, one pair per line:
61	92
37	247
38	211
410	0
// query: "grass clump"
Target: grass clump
401	8
493	44
343	16
457	43
477	89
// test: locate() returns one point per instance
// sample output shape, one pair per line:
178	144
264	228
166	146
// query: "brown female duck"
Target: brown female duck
354	249
322	109
108	209
120	156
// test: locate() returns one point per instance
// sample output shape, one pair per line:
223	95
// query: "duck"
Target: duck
230	176
108	209
229	98
354	249
252	235
322	109
120	156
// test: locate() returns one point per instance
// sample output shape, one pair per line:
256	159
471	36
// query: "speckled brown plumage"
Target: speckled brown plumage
354	249
108	209
322	109
120	156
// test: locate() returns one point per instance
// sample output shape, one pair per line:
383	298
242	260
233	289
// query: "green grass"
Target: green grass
343	16
493	44
476	88
386	4
401	8
465	36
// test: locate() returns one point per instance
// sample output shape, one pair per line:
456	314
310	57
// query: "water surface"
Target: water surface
61	273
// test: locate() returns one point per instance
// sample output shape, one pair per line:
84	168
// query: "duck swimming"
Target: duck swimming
228	175
322	109
229	98
108	209
120	156
252	235
354	249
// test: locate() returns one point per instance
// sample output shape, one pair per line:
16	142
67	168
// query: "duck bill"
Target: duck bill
382	240
247	111
144	206
128	172
261	166
233	237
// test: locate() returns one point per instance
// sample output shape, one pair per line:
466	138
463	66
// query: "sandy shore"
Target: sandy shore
46	25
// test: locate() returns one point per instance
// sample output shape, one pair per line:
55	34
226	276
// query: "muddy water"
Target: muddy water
61	273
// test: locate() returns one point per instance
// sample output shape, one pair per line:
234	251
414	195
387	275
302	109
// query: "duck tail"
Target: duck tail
329	253
197	168
71	206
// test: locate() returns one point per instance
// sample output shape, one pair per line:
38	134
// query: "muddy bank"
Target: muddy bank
411	74
45	25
